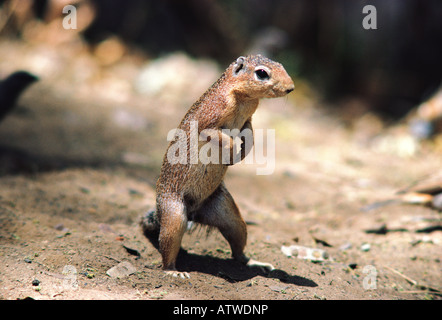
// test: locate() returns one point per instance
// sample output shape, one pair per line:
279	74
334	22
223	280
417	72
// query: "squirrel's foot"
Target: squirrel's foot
177	274
263	265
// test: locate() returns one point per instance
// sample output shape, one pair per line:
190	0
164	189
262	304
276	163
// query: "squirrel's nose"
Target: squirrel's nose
290	89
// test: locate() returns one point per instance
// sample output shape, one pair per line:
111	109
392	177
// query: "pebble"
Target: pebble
35	282
365	247
437	201
121	270
279	288
306	253
345	246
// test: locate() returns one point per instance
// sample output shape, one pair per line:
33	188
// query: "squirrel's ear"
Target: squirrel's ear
239	65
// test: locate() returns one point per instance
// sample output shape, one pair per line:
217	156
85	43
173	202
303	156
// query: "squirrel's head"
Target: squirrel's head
259	77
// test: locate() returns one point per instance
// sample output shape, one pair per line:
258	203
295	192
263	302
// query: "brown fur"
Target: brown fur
196	192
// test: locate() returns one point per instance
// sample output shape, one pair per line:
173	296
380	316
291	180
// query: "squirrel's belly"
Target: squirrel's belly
204	180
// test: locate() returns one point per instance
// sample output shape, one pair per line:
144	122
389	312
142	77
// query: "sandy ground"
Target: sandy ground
78	164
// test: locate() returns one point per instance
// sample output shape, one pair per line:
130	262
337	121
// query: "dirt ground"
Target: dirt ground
80	156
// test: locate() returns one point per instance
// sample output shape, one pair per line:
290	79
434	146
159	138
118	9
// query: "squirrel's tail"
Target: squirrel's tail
150	222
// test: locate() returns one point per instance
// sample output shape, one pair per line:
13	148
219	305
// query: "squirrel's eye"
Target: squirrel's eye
261	74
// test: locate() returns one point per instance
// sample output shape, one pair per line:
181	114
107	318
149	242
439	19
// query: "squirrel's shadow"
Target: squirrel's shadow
230	269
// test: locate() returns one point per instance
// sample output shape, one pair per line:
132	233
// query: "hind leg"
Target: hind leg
173	221
220	211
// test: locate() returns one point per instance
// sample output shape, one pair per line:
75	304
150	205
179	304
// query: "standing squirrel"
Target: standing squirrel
195	191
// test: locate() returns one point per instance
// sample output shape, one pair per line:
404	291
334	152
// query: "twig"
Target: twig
109	257
420	291
415	283
409	280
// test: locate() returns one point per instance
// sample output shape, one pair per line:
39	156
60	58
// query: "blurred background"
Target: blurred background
393	67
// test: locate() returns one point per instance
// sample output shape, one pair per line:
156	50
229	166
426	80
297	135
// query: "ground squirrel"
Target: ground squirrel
195	191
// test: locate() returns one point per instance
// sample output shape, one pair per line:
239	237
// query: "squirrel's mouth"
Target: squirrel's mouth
275	93
280	91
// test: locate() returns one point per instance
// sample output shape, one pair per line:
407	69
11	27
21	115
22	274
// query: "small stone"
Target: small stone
121	270
35	282
366	247
345	246
59	227
306	253
437	201
278	288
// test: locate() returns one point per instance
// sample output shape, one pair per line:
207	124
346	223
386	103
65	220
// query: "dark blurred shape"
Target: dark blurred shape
199	27
11	88
40	7
269	42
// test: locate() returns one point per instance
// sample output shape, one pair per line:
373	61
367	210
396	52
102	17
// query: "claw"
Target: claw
176	274
264	265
